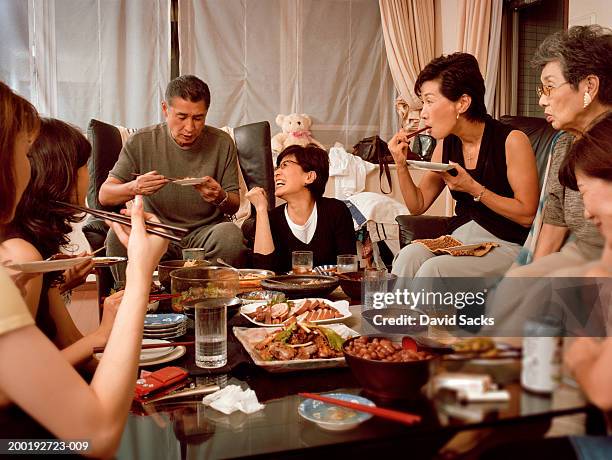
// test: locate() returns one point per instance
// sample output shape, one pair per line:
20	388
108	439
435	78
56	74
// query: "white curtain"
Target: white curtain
479	33
82	59
325	58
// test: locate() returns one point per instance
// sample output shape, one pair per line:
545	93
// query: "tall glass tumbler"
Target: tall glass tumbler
207	291
374	286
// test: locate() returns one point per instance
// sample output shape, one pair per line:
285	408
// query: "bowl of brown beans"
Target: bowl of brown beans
385	370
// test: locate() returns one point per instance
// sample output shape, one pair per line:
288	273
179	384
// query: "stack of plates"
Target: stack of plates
165	325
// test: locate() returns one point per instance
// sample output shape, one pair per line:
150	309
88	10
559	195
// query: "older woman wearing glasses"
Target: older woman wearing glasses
307	221
576	92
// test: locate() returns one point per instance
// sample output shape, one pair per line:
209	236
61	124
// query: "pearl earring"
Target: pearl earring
457	116
586	100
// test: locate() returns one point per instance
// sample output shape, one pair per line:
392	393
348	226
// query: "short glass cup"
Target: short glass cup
301	262
346	263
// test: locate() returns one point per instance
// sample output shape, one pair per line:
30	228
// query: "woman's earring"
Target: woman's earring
586	100
457	116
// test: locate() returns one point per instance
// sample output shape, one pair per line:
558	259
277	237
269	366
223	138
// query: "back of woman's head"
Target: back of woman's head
56	156
16	116
591	155
457	74
581	51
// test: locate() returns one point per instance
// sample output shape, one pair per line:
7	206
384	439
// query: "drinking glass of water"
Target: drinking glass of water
346	263
374	282
301	262
206	291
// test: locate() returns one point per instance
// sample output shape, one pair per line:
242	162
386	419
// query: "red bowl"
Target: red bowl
389	381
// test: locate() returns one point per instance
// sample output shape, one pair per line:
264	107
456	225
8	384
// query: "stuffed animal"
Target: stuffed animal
295	132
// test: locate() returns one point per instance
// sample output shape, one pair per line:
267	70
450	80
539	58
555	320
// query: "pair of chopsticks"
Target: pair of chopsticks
149	346
389	414
172	179
418	131
124	220
154	297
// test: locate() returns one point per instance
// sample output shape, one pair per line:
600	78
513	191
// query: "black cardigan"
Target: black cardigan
334	235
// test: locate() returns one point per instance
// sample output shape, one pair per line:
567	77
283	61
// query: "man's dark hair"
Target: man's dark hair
458	74
190	88
590	155
581	51
310	158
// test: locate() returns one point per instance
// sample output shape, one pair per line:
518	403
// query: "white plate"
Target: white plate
429	166
341	305
45	266
108	261
189	181
154	353
151	354
177	353
250	336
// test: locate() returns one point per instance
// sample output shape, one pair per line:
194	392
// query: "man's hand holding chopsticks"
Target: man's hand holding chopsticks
149	183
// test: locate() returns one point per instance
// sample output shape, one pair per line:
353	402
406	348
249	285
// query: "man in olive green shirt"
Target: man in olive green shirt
183	146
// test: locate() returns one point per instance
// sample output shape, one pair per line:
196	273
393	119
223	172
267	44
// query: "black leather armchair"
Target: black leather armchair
541	136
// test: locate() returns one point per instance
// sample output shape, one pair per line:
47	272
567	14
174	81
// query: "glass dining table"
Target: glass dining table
187	429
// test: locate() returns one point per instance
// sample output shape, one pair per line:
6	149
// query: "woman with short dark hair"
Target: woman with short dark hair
494	180
308	221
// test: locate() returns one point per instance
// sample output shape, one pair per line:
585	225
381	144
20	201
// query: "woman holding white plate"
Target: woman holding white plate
494	180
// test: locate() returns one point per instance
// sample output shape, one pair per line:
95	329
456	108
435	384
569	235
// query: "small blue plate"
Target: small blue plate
164	319
335	418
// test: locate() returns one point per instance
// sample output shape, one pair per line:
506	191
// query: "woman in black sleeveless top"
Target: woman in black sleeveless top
494	182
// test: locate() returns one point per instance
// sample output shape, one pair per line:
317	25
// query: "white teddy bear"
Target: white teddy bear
295	132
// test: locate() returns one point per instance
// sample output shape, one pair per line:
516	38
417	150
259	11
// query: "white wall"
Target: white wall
583	12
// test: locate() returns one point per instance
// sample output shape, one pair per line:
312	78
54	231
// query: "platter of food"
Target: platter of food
301	286
482	350
45	266
295	346
251	277
261	296
313	310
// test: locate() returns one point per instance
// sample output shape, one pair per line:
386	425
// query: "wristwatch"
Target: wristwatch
479	196
219	204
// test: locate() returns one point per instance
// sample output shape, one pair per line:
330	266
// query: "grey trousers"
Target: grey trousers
223	240
524	289
415	261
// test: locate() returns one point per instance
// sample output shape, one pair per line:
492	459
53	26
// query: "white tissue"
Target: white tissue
233	398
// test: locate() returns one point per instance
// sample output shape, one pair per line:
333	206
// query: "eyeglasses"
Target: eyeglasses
547	89
285	163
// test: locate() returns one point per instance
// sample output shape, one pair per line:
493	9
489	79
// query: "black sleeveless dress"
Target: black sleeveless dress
490	171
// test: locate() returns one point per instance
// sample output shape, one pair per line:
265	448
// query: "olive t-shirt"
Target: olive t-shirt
213	154
14	313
